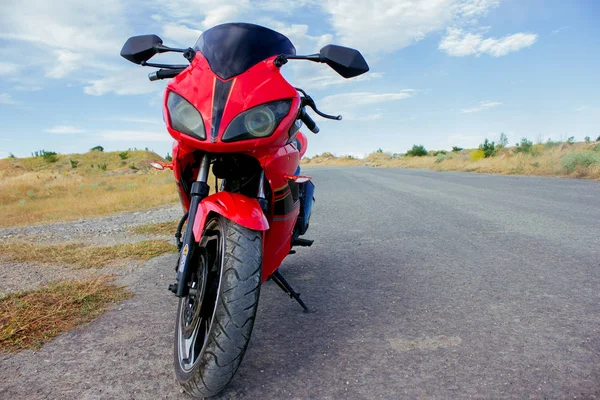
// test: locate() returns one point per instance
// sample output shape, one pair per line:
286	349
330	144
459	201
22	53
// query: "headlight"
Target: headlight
258	122
184	117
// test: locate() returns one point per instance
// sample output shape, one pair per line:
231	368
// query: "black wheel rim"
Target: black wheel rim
197	309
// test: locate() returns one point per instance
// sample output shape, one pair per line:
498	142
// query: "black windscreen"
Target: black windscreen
231	49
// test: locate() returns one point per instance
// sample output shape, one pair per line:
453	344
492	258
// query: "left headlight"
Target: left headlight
184	117
258	122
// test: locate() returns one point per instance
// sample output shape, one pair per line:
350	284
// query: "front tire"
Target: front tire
215	320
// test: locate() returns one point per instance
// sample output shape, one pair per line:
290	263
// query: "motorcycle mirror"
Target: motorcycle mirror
343	60
139	49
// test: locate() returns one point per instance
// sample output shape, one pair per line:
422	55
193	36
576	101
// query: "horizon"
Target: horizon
443	72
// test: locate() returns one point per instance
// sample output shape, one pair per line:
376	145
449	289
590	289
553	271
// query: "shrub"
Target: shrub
97	148
535	164
525	146
435	153
124	155
417	151
379	150
596	148
74	163
571	140
102	166
456	149
440	157
550	143
503	141
476	155
11	155
133	167
587	139
168	157
580	158
598	139
49	156
489	148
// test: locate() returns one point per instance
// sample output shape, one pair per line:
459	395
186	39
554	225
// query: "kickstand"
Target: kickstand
285	286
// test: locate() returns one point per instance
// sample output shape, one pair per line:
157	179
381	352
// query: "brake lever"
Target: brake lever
308	101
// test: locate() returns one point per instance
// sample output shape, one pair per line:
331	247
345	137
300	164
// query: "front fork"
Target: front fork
198	192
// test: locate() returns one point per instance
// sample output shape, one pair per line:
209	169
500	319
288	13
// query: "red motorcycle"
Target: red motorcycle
231	112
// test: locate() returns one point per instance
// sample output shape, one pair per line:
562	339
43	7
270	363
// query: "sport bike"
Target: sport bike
233	115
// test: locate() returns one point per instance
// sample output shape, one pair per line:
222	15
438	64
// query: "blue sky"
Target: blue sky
443	72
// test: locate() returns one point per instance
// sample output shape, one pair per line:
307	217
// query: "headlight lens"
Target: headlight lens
184	117
258	122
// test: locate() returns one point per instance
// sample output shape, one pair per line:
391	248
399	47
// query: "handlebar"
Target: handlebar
308	121
164	74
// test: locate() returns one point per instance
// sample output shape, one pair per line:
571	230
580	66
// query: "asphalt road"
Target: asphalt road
424	285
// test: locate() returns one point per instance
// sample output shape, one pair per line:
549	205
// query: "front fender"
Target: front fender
236	207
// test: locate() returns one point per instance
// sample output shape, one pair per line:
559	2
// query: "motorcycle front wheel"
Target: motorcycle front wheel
215	320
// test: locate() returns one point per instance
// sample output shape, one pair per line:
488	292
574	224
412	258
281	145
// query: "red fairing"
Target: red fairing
233	206
277	154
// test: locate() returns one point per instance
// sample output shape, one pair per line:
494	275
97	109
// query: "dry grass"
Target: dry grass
32	190
540	162
29	319
157	228
80	256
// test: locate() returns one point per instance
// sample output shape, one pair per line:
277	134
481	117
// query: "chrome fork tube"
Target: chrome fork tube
260	195
199	191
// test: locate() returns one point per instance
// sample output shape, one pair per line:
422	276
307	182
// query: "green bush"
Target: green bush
435	153
168	157
571	140
551	143
379	150
456	149
124	155
598	139
417	151
74	163
11	155
587	139
596	148
97	148
102	166
525	146
49	156
503	141
133	167
489	148
440	157
580	158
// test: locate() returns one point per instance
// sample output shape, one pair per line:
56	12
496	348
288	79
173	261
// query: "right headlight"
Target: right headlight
184	117
258	122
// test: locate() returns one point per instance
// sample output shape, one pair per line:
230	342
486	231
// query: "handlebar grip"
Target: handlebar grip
308	121
164	74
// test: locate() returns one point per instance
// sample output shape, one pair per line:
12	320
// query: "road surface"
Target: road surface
424	285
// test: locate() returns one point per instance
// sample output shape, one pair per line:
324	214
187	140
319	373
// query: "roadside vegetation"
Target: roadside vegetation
30	319
551	158
50	187
80	256
157	228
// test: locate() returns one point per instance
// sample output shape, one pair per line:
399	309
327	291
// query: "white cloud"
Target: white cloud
389	25
180	33
64	130
6	98
66	62
357	106
8	68
558	30
125	82
135	136
363	98
459	43
483	105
